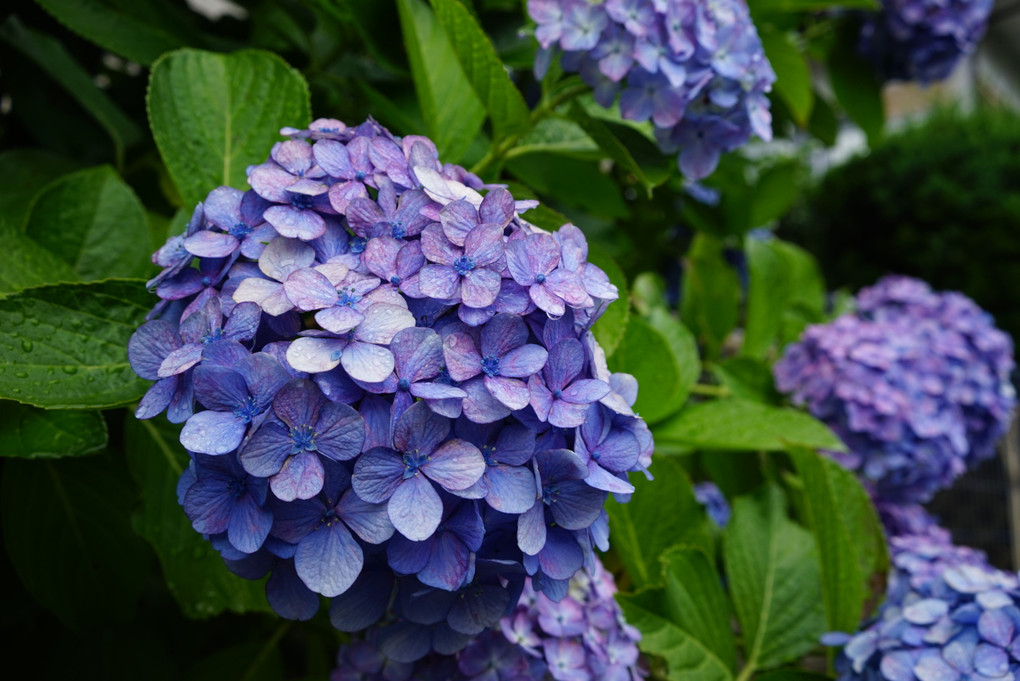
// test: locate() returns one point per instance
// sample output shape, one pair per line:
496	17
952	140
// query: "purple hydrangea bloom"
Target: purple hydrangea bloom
948	615
922	40
356	347
697	70
916	383
579	638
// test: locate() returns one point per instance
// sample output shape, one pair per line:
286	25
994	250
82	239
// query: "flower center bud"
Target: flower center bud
302	439
463	265
557	394
240	230
347	296
404	384
301	201
237	487
246	410
490	365
540	279
212	336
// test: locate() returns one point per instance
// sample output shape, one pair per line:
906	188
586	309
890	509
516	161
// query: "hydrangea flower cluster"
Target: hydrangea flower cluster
696	69
922	40
583	637
389	388
916	383
948	616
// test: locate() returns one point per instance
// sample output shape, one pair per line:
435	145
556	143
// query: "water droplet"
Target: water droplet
70	369
75	322
26	345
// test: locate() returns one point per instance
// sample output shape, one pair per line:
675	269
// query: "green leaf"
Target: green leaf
648	292
65	346
93	222
772	572
793	78
850	539
51	56
823	123
194	571
484	69
686	658
66	532
571	182
31	433
740	424
612	325
24	263
747	379
660	514
776	190
212	115
452	110
609	143
856	86
781	277
112	29
661	353
542	215
697	603
711	294
556	136
23	174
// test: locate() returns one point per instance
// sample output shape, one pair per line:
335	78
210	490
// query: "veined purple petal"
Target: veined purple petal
458	218
208	506
367	362
600	478
561	556
462	358
181	360
497	207
369	521
295	223
415	508
212	432
455	465
382	322
341	432
281	257
479	608
564	363
300	477
249	525
523	362
329	560
418	353
150	345
479	287
996	626
377	473
309	289
209	244
511	489
287	594
264	453
408	557
448	563
585	391
363	604
419	430
439	282
512	392
315	355
531	529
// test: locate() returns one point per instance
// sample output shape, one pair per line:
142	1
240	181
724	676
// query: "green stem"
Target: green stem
249	673
497	153
746	673
710	390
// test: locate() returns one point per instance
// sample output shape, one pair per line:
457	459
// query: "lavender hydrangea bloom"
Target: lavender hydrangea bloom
583	636
696	69
915	383
948	616
356	363
922	40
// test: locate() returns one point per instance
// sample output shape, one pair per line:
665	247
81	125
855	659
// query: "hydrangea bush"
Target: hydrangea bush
388	385
923	40
916	383
582	636
697	70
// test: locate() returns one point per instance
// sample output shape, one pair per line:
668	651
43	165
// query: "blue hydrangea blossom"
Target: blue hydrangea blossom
915	383
389	388
948	616
697	70
582	637
923	40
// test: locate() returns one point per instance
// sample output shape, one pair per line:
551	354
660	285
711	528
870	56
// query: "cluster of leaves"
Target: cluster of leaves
91	524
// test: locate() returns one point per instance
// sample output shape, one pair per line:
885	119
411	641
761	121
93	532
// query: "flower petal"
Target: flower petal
415	508
300	477
329	559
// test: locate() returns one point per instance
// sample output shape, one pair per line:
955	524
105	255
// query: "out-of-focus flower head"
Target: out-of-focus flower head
581	636
948	616
711	497
922	40
389	388
916	383
696	69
